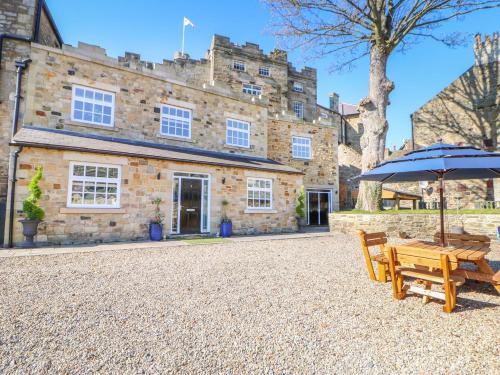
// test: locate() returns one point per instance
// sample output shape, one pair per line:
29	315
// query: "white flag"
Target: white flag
187	22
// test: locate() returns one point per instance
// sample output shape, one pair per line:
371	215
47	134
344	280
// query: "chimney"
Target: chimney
334	101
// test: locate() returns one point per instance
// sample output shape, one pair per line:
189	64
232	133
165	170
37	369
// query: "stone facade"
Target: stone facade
210	88
139	185
349	157
466	112
422	226
319	172
138	100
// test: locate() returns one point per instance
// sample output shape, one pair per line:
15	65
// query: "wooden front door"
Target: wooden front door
190	201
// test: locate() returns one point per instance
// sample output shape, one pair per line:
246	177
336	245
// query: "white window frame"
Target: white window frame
296	105
247	132
111	104
308	145
239	65
169	116
264	69
250	89
298	87
72	178
259	190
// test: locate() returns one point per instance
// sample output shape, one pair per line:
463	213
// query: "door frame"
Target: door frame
318	191
180	175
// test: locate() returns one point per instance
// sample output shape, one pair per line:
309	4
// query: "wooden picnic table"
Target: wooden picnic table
465	254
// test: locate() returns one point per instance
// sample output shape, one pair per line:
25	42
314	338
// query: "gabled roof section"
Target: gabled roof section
67	140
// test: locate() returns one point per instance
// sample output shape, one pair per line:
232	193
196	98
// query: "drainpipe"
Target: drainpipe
20	65
12	196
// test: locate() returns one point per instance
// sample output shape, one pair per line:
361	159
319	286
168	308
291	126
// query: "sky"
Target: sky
153	28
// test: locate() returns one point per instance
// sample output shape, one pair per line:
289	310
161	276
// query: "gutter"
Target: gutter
12	37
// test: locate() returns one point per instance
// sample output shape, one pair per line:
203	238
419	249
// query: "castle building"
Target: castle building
466	112
112	134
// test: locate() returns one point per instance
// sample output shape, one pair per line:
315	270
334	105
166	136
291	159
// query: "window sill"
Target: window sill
173	138
301	159
267	211
85	125
78	210
237	147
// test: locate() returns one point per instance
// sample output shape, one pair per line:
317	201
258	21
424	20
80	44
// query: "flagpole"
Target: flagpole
183	30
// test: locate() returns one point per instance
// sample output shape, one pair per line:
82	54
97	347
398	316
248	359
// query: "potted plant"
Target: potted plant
226	225
33	213
300	209
156	224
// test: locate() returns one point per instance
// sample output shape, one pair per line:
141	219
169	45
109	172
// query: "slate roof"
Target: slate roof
349	109
67	140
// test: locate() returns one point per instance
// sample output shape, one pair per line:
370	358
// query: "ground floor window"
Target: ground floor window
94	185
259	193
190	203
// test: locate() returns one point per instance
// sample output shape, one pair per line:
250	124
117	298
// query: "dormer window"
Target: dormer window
298	87
252	89
264	71
239	65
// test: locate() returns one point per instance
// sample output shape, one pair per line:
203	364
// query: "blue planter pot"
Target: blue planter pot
226	229
155	232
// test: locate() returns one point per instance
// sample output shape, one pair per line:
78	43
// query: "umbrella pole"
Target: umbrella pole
441	207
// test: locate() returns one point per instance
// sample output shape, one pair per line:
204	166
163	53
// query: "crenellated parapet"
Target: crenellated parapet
487	51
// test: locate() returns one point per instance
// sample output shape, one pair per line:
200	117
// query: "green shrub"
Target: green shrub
300	208
31	208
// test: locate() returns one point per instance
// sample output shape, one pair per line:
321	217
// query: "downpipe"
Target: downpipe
20	65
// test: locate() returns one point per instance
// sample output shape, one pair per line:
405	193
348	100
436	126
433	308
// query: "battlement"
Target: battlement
181	69
488	51
253	50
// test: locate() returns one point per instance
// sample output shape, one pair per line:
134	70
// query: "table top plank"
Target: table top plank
463	253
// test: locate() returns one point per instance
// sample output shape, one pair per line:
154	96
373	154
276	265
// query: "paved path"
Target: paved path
7	253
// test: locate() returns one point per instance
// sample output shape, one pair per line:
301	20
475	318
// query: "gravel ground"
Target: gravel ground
282	306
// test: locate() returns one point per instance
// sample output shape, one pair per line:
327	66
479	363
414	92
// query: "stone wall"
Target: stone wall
139	186
277	87
349	150
138	98
319	172
16	17
422	226
466	112
47	35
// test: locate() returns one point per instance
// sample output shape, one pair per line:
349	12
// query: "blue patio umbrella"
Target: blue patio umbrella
438	162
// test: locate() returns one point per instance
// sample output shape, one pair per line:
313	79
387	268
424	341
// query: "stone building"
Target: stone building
350	133
466	112
111	134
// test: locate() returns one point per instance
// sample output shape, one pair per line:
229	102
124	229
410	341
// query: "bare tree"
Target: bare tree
352	29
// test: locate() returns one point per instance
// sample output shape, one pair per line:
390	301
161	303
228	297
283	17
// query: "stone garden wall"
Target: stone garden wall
414	225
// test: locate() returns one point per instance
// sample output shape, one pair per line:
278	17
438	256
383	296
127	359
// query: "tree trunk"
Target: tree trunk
373	116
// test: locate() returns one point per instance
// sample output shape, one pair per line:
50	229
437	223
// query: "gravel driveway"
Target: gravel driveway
283	306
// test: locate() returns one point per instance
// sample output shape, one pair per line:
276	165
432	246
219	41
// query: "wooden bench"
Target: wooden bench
430	267
455	239
375	239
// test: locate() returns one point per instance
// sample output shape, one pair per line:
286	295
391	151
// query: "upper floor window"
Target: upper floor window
92	106
323	115
239	65
301	147
252	89
94	185
264	71
259	193
238	133
298	108
298	87
175	121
